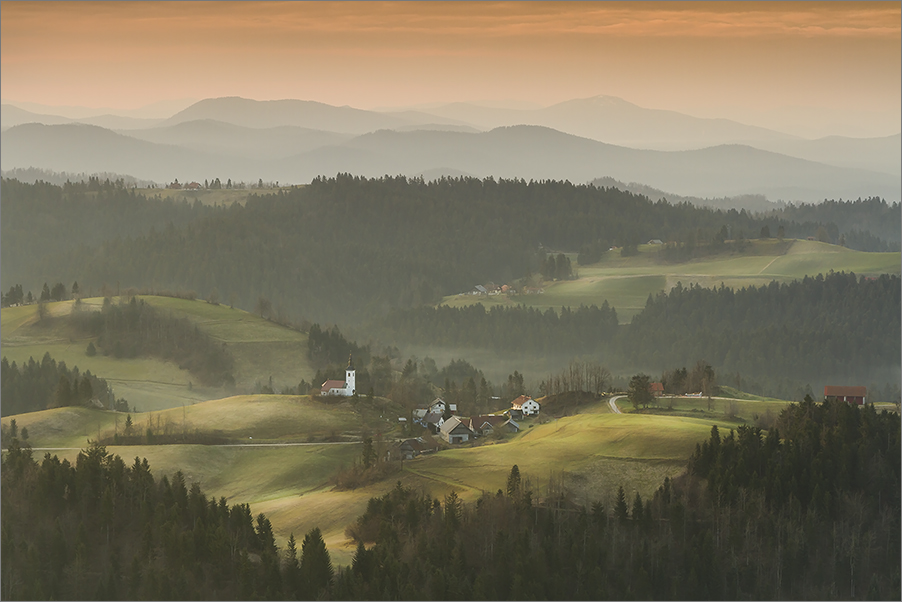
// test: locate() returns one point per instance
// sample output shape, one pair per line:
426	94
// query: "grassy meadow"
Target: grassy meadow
262	350
590	454
626	282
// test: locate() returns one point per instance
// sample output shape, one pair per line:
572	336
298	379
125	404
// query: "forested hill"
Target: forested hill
821	330
340	249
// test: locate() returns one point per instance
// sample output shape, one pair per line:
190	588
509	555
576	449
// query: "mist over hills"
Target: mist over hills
219	137
11	115
202	149
301	113
91	149
293	141
616	121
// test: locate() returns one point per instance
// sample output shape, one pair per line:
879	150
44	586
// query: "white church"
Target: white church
339	388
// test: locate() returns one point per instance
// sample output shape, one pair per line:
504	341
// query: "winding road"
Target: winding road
613	403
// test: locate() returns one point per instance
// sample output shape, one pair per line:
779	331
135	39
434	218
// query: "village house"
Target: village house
437	406
525	406
487	425
411	448
432	421
856	395
656	389
455	431
339	388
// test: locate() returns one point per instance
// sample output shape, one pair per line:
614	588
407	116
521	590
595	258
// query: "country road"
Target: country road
613	403
214	445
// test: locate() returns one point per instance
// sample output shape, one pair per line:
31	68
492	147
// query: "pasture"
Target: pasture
590	454
262	351
626	282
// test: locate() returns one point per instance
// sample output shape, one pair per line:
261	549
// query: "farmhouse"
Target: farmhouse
433	421
344	388
455	431
411	448
856	395
486	425
437	406
526	405
656	389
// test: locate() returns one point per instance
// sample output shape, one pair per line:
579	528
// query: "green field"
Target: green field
589	454
626	282
262	350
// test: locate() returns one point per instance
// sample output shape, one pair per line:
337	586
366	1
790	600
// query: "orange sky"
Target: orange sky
701	58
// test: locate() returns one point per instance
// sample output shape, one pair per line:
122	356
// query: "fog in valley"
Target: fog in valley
451	300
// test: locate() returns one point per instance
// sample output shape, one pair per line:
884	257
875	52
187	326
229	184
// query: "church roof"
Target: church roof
333	384
350	362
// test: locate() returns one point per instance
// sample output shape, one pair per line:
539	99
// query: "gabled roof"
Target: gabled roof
333	384
479	422
427	405
453	423
418	445
838	391
517	404
433	417
656	387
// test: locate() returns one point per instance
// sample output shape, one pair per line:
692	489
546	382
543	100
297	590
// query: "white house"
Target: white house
342	389
436	407
526	405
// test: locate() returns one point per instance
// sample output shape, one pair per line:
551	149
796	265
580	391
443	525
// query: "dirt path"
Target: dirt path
613	403
215	445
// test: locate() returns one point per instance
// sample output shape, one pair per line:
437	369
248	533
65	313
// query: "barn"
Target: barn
856	395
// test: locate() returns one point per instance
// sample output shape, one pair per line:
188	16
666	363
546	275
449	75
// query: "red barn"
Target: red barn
856	395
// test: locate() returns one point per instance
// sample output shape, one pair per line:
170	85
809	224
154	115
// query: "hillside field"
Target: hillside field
626	282
590	454
262	350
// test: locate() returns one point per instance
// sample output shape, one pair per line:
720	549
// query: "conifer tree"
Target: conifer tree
316	565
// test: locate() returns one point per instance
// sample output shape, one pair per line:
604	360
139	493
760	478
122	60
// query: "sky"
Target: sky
830	64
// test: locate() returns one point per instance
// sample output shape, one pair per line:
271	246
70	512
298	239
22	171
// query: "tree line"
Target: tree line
838	326
811	509
822	328
100	529
349	248
519	329
134	328
36	386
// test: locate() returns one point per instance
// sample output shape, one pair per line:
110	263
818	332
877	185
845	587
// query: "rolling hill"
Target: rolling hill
262	351
590	454
301	113
219	137
626	282
204	149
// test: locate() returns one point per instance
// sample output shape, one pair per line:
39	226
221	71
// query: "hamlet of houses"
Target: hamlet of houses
441	419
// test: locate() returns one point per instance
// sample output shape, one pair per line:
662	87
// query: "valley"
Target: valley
626	282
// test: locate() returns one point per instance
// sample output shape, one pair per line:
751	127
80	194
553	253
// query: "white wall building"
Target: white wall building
339	388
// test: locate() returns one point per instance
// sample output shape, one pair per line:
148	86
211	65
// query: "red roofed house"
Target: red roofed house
526	404
856	395
657	389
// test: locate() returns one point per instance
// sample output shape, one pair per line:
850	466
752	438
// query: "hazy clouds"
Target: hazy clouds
744	61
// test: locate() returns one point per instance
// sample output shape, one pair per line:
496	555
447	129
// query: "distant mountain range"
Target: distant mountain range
580	140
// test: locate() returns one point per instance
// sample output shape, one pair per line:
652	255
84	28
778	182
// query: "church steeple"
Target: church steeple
350	377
